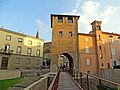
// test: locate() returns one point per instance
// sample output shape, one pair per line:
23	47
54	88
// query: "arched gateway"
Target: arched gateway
64	40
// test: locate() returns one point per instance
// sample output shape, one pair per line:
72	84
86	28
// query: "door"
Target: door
7	48
4	63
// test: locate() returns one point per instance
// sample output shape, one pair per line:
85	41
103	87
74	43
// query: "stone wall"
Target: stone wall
39	85
7	74
111	74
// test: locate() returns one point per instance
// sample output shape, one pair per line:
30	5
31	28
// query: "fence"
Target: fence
91	82
54	84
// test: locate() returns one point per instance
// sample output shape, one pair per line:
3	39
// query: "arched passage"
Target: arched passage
66	60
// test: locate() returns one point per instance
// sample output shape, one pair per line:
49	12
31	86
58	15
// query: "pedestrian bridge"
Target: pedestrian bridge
68	80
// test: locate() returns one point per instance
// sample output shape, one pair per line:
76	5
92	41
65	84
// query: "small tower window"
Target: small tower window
101	56
60	19
99	38
70	34
70	20
100	47
102	64
60	33
99	28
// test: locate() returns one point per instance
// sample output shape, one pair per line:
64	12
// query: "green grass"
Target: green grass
4	84
105	88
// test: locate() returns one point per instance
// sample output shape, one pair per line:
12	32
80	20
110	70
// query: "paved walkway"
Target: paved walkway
66	83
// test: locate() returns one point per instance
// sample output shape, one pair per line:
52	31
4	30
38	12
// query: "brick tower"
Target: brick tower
64	40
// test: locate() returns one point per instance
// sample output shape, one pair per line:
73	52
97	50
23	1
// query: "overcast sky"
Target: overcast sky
28	16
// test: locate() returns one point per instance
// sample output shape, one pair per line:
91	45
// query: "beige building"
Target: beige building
20	51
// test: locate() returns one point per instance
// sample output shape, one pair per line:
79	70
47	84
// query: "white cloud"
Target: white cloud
90	11
42	27
108	13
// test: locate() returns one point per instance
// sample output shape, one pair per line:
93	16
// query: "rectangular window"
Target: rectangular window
100	47
28	61
29	51
103	42
38	52
87	49
101	56
60	19
102	64
99	38
8	37
70	34
20	40
17	60
86	39
37	61
111	41
114	63
38	44
7	47
70	20
19	49
88	61
113	51
30	42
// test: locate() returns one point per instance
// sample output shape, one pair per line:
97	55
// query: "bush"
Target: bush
116	67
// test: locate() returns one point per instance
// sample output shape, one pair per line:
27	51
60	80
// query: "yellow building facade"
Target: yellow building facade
20	51
87	53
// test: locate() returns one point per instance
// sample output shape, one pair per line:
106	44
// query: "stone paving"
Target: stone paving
66	83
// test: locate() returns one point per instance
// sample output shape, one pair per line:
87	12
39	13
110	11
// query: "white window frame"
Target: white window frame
88	61
30	42
87	50
113	51
86	39
8	38
28	61
29	51
38	52
19	49
17	60
111	41
38	44
20	40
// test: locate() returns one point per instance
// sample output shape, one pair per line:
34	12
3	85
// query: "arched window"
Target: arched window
70	34
60	33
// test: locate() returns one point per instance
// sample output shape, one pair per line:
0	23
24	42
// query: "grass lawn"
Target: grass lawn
4	84
106	88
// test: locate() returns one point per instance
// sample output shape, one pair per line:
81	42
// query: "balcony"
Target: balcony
6	51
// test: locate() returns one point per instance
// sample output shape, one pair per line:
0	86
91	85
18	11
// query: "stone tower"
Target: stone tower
102	46
64	40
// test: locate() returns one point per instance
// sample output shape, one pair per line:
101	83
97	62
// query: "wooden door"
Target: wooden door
4	63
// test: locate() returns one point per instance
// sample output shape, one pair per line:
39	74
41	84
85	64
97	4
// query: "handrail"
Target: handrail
88	81
54	84
114	83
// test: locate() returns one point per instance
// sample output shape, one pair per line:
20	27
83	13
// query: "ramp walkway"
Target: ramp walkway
66	82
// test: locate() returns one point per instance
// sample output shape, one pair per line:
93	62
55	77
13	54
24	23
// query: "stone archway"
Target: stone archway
66	59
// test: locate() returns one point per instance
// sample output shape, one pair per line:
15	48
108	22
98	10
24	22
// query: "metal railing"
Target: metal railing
6	51
54	84
91	82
